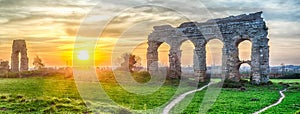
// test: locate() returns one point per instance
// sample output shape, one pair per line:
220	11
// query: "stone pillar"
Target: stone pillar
19	46
260	61
175	64
24	60
14	60
152	56
200	63
230	54
224	62
255	63
264	61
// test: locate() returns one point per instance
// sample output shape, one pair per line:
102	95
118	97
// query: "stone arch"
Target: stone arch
19	47
211	40
242	40
231	31
187	71
161	51
152	55
214	57
247	63
185	41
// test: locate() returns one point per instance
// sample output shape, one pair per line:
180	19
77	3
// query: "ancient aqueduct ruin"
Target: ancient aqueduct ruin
19	47
17	63
230	30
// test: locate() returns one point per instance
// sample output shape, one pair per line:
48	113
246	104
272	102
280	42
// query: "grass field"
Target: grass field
235	101
292	101
56	94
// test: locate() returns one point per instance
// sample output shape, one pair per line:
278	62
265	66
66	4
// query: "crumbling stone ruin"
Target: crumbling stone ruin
230	30
4	68
4	65
19	46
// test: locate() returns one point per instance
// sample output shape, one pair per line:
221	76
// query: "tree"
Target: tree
130	62
37	63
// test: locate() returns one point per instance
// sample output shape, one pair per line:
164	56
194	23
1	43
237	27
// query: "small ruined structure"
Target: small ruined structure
4	65
19	47
4	68
230	30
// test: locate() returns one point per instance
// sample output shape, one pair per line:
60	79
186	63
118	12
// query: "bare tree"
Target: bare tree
37	63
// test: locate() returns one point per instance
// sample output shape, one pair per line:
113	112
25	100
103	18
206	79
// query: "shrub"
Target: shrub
173	82
243	89
141	77
231	84
244	81
19	96
13	75
268	83
3	97
291	76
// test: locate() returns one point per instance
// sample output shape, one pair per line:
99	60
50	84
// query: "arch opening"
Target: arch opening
19	60
244	50
214	56
245	71
187	58
163	55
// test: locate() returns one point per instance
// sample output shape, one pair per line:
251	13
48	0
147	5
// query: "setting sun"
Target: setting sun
83	55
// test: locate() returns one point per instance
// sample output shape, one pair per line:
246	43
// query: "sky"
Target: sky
51	27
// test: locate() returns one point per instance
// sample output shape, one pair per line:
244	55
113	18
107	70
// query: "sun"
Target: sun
83	55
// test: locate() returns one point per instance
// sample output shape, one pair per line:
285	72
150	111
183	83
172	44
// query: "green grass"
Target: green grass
55	94
54	86
136	102
22	104
285	80
39	95
291	103
232	100
42	90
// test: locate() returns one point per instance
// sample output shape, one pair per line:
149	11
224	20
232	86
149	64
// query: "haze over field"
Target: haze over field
50	28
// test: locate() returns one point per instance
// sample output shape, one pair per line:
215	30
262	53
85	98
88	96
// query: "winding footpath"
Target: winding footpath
180	98
278	102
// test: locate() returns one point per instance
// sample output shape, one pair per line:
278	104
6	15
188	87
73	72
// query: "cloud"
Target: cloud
54	23
283	29
283	10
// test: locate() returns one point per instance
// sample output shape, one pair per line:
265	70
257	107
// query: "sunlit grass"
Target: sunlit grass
57	94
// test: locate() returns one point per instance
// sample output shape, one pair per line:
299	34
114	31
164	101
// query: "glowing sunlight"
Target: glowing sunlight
83	55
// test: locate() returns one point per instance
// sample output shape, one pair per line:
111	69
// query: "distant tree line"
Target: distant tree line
290	76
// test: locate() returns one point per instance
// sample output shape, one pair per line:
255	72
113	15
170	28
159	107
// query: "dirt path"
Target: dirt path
180	98
278	102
